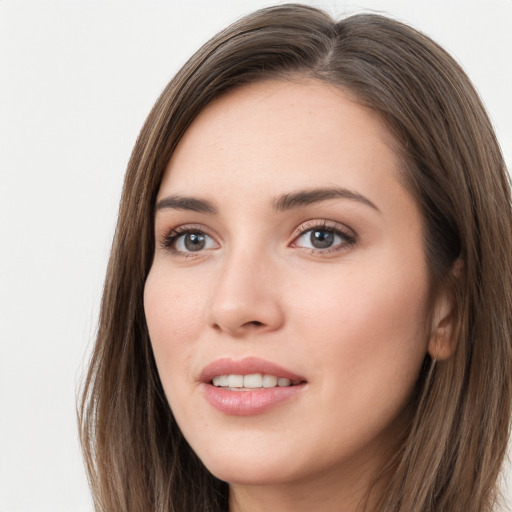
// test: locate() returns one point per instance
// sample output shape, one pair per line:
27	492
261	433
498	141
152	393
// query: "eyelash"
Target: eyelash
169	240
347	239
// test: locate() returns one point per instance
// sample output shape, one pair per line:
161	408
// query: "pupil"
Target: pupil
322	239
194	241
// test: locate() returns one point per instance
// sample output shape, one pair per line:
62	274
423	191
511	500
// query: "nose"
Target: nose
246	297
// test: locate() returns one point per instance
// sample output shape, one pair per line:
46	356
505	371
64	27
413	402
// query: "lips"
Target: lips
229	396
246	366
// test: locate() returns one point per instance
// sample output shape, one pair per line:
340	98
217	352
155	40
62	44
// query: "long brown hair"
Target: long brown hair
452	451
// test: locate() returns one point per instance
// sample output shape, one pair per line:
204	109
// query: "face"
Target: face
287	303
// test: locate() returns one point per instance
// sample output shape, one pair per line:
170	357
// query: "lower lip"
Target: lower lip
247	403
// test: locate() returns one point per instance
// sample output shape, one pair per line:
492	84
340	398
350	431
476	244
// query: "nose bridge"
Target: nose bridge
245	297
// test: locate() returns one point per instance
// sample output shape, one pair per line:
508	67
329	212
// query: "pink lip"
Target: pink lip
246	403
246	366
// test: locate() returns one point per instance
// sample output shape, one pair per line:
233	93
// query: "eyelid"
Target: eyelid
323	224
341	230
349	238
169	237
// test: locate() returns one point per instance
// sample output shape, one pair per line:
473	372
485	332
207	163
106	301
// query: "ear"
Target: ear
442	343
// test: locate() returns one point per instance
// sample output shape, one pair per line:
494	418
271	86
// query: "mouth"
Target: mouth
248	386
248	373
253	381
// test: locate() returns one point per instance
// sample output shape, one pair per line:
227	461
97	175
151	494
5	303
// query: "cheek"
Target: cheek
368	323
365	342
172	315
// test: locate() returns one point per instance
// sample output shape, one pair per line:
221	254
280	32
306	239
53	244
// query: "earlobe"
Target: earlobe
442	343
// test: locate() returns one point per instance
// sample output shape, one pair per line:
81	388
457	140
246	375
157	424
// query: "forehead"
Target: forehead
279	134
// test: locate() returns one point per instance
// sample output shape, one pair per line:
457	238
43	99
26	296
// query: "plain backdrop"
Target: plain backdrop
77	79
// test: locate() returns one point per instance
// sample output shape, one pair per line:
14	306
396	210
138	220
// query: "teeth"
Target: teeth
255	380
236	381
269	381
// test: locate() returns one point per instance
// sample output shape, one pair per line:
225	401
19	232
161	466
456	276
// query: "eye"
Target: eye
186	241
324	238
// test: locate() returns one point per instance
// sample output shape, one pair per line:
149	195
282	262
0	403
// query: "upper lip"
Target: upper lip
246	366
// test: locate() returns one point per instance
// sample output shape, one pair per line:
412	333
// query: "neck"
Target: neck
330	492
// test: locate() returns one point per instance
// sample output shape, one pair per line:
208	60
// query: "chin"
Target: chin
249	476
247	471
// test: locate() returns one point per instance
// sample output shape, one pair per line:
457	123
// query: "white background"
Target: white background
77	79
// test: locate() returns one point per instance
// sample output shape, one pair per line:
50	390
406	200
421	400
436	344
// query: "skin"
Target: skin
352	319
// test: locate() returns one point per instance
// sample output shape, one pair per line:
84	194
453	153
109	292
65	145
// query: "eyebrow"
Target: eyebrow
284	202
192	204
302	198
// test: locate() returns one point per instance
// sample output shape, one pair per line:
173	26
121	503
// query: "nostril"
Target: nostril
256	323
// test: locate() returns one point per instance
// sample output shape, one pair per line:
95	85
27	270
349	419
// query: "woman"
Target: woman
308	301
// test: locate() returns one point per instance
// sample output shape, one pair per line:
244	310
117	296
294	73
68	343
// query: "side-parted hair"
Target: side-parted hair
452	450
